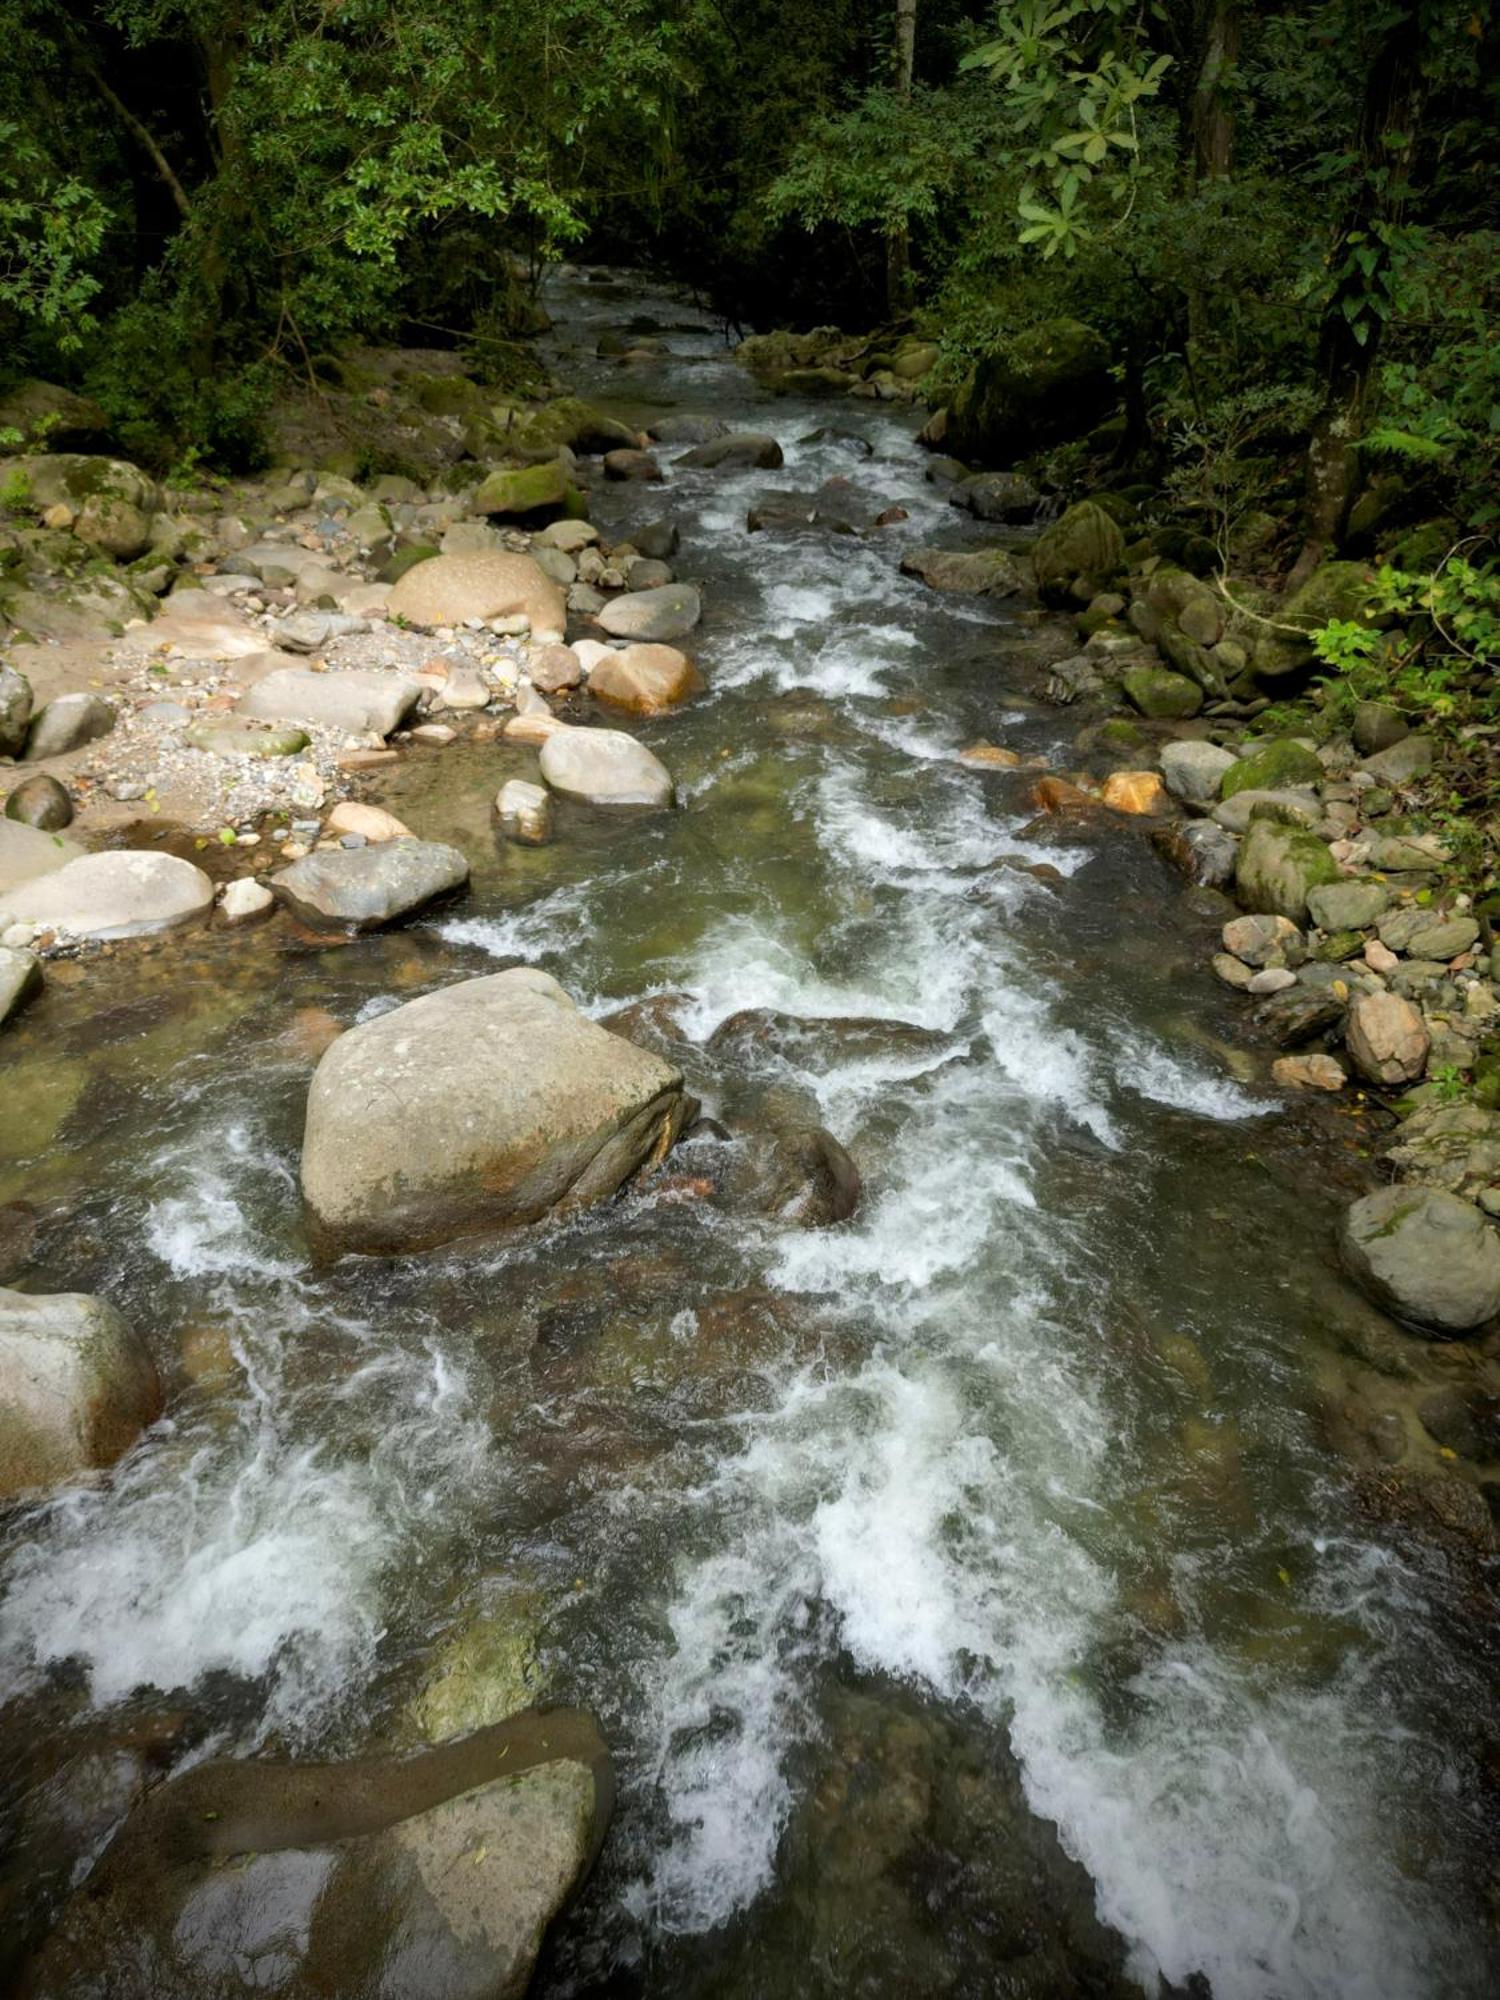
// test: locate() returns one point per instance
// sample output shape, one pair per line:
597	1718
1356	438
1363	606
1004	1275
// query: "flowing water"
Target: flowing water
968	1590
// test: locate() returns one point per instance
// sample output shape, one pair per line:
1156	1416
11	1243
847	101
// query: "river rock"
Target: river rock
1424	1256
414	1878
666	613
76	1388
1387	1038
362	888
1074	558
1403	762
245	901
688	428
1277	867
245	736
1315	1072
67	723
645	680
492	1103
372	823
1453	1146
631	463
15	711
657	539
1051	382
1192	771
569	536
356	703
554	669
42	802
1264	941
1160	694
122	893
1349	906
1133	792
1377	726
997	496
1292	808
1300	1014
1203	852
20	980
1442	938
990	572
484	584
524	812
531	489
800	1177
736	449
1281	766
604	767
27	852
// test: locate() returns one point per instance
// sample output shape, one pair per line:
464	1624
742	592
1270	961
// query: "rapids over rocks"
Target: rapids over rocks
966	1590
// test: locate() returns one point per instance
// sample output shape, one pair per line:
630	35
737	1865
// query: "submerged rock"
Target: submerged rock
524	812
1425	1256
121	893
418	1878
76	1388
484	1106
362	888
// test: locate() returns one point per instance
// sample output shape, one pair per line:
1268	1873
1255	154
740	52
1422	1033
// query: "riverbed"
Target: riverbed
968	1590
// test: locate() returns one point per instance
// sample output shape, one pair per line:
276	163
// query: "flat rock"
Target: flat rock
1349	906
122	893
76	1388
1424	1256
489	1104
354	703
665	613
736	450
1402	762
482	584
604	767
361	888
245	736
1294	808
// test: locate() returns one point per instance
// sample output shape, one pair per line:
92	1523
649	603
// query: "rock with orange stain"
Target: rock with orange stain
1133	791
349	816
1057	795
311	1030
990	756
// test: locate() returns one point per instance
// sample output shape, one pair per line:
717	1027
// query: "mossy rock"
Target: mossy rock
488	1671
1049	384
1160	694
1335	590
396	566
541	433
1083	543
530	489
1277	866
1275	767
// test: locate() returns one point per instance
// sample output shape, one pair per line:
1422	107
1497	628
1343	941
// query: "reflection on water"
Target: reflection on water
1005	1494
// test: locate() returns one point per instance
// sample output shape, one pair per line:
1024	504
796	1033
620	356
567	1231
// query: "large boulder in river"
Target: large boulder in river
1425	1256
363	888
736	451
76	1388
483	584
124	892
354	703
431	1877
645	680
668	612
604	767
1051	383
490	1104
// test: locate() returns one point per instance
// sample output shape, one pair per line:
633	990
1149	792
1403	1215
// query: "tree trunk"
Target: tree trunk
1211	120
898	241
1349	342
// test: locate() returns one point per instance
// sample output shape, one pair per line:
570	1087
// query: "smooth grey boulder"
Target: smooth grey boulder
664	613
20	978
489	1104
29	851
1425	1257
67	723
1192	771
429	1877
356	703
76	1388
15	711
604	767
122	893
736	449
361	888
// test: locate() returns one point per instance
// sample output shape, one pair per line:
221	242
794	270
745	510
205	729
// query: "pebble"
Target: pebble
241	901
434	732
1275	979
1379	957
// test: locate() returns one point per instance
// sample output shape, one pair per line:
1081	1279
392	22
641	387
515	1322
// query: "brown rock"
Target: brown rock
1308	1073
1387	1038
1133	791
645	680
554	668
1055	795
990	756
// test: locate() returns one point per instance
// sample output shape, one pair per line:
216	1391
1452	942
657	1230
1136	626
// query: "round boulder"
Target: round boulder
645	680
41	802
604	767
1425	1257
76	1388
487	1105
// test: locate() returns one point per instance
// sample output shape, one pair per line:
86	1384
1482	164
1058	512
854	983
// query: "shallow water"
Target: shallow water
968	1591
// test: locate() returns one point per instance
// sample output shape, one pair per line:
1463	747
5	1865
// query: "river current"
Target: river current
968	1590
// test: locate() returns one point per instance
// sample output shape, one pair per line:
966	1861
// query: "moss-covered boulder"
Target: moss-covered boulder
1335	590
1277	867
1159	693
541	432
530	489
1078	554
45	414
1275	767
76	479
1051	383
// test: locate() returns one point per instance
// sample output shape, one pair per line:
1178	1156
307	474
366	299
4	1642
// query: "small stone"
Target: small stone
1263	941
434	732
373	823
1315	1072
1275	979
1133	792
243	901
1233	971
524	812
555	668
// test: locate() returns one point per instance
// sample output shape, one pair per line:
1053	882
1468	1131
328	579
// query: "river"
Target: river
969	1591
